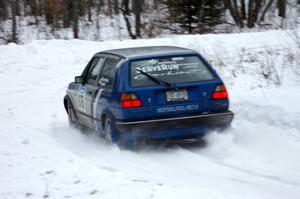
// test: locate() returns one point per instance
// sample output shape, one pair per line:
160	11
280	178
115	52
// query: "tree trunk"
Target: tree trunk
75	18
190	28
251	20
243	10
256	10
138	10
228	5
14	37
17	7
281	7
126	7
116	6
40	7
47	13
66	15
262	16
126	14
3	10
89	5
237	14
34	10
109	11
234	11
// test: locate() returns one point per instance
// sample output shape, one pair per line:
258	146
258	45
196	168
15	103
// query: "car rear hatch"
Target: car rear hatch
175	85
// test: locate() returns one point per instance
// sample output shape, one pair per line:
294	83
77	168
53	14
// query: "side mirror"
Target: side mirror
78	79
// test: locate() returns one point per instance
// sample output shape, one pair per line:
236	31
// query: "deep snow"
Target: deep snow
257	158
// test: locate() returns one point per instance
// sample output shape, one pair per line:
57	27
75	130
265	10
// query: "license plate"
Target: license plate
177	95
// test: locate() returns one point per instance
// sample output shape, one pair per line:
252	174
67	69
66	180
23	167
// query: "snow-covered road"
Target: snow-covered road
41	157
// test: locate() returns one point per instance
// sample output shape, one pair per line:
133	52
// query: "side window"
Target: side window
94	70
108	73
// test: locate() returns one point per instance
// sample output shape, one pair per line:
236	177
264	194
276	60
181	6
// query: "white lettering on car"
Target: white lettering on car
178	108
168	66
103	81
172	73
153	61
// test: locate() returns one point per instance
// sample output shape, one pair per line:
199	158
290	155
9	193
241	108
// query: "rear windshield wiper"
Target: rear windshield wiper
154	79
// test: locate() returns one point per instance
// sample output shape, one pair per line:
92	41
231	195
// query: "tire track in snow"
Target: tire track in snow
244	171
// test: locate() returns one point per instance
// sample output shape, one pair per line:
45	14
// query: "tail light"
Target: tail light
129	100
220	92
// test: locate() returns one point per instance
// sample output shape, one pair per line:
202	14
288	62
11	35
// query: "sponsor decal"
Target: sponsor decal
81	98
169	69
159	67
172	73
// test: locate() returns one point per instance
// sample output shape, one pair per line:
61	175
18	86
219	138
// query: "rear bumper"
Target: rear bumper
185	126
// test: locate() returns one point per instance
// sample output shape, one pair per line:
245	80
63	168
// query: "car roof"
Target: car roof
146	51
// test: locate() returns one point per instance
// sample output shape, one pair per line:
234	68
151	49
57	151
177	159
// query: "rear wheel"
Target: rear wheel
110	135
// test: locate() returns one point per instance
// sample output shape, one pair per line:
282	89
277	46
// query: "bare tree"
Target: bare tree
233	9
137	5
126	14
265	10
255	9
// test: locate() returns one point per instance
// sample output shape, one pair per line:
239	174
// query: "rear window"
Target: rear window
179	69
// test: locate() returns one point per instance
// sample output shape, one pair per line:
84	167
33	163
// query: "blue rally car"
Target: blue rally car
152	92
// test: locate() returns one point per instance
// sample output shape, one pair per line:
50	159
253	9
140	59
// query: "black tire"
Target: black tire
110	135
73	122
108	131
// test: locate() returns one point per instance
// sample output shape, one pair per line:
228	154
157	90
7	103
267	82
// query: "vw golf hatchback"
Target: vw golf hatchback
158	92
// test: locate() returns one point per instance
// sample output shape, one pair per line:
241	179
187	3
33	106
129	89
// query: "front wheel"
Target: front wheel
71	117
73	121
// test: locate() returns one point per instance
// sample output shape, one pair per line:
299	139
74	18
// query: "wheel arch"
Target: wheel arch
106	114
67	100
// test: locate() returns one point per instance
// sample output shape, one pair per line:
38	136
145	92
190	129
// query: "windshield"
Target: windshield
179	69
